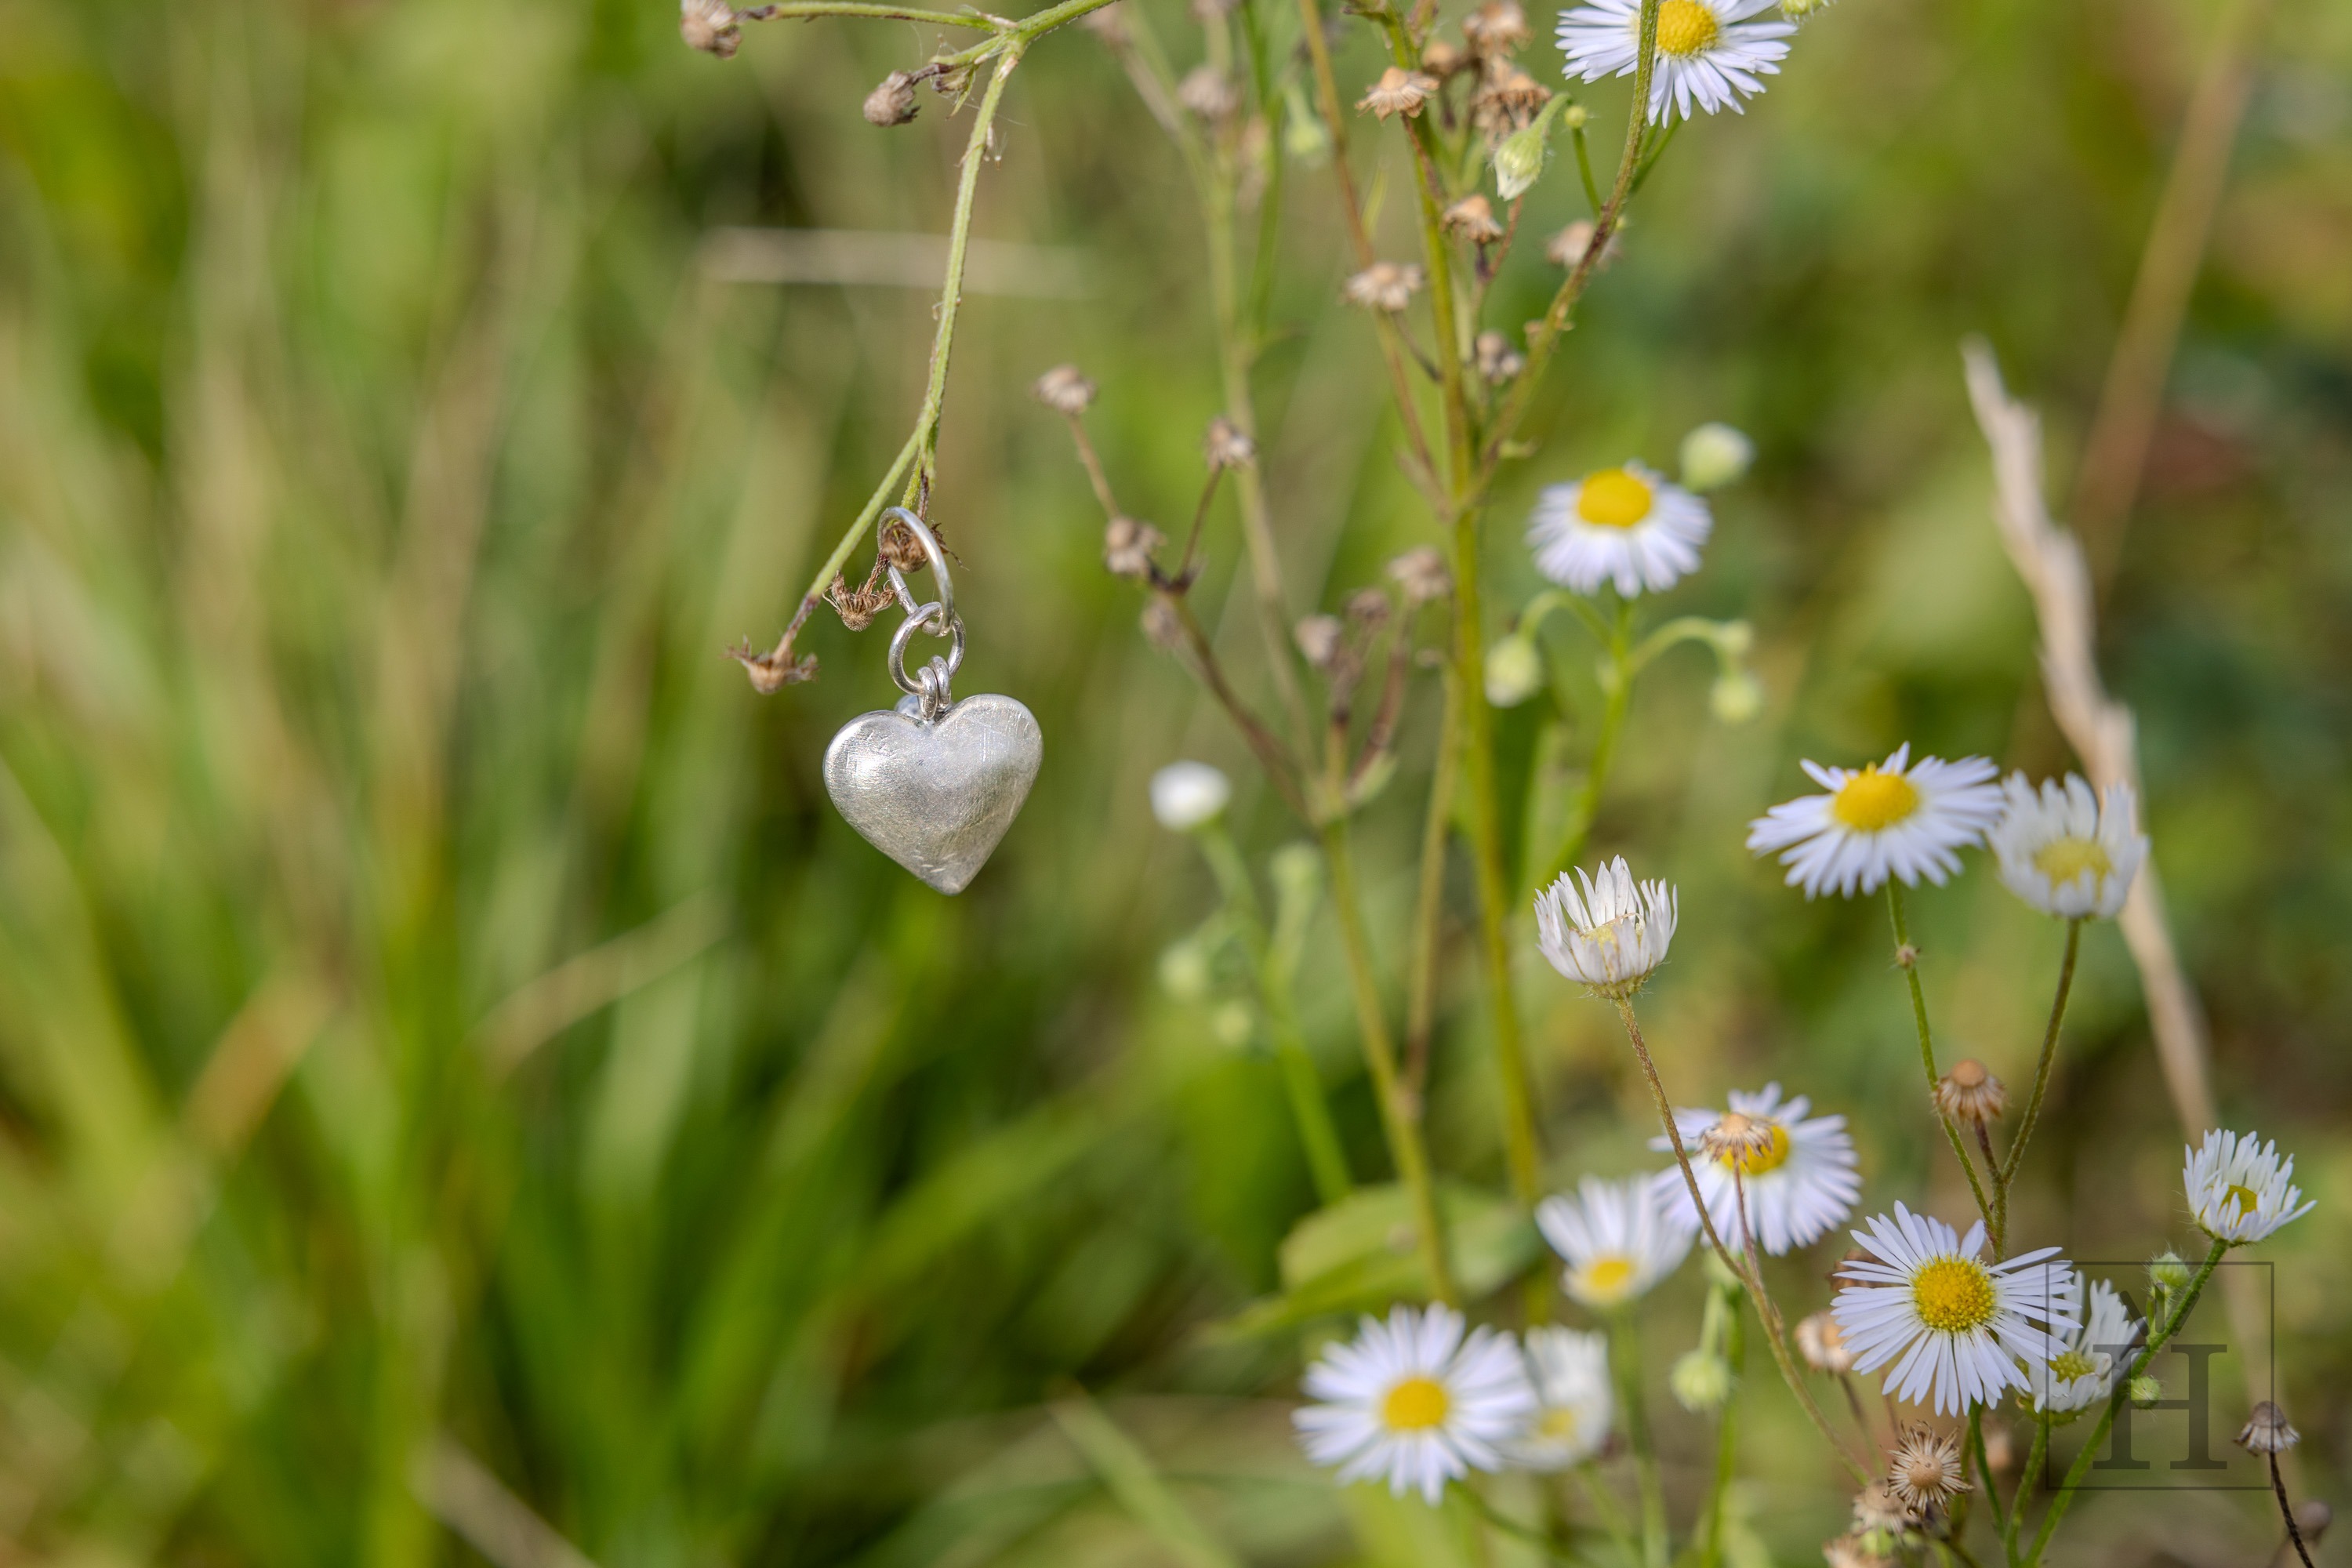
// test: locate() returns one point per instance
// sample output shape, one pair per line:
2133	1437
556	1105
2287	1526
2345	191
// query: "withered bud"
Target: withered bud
1851	1552
1385	286
1399	91
1924	1470
1208	93
1739	1141
1907	957
1473	218
1129	547
1496	360
1823	1345
1319	639
2000	1450
1368	608
1876	1508
1162	626
893	102
1225	447
2266	1431
1442	59
858	607
1421	573
772	672
1970	1093
1064	389
1507	101
1106	25
1497	27
709	26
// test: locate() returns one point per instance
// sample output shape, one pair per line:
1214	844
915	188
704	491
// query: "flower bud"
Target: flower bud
2168	1271
1185	970
1520	160
711	25
1186	796
1233	1024
1296	869
1701	1381
1514	671
1736	696
1713	455
2146	1391
893	102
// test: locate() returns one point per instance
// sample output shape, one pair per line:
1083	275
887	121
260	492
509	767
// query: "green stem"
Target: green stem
1618	683
2025	1478
1984	1471
2157	1339
797	11
1429	903
1625	1362
1727	1440
1397	1120
1907	958
2033	1111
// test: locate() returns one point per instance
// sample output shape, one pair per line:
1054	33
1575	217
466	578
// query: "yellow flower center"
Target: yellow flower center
1415	1405
2246	1198
1613	498
2068	1365
2065	860
1686	27
1756	1161
1557	1423
1953	1295
1607	1278
1872	800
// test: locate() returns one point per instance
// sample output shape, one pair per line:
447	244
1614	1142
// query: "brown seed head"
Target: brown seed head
1496	360
1399	91
1823	1345
1851	1552
1568	246
1507	99
1208	93
1442	59
1736	1139
1385	286
1226	448
709	26
893	102
2266	1431
1969	1092
1065	389
1318	638
1473	218
772	672
1162	626
1421	573
1876	1507
1129	547
1925	1468
1496	29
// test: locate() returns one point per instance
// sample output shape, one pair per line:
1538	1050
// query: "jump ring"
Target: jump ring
933	554
924	615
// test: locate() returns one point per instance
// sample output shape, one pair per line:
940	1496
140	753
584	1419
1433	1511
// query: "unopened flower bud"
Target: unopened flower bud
1969	1092
892	102
2146	1391
1184	971
2168	1271
1520	160
1736	696
1514	671
709	26
1713	455
1701	1381
1573	117
1234	1024
1186	796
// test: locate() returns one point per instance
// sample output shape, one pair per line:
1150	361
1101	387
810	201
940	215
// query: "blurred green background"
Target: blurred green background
445	1031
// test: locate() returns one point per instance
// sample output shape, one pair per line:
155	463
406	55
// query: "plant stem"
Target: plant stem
1726	1441
1625	1362
798	11
1429	903
2157	1341
1619	681
1397	1119
1907	958
2034	1456
2286	1512
2033	1112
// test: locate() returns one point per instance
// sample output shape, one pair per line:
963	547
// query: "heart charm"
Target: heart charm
936	796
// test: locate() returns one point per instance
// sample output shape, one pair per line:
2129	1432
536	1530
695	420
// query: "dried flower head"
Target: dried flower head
1318	638
1738	1140
1851	1552
1399	91
711	25
2266	1431
1064	389
1423	574
1368	609
1385	286
1924	1470
1162	626
1496	360
1129	547
1473	218
1107	25
1442	59
1970	1093
1823	1345
772	672
1226	446
1568	246
1507	101
1497	27
893	102
1208	93
1876	1509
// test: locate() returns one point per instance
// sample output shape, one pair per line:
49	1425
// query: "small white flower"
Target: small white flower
1896	818
1627	526
2238	1193
1711	53
1617	1238
2083	1372
1185	796
1413	1400
1798	1184
2065	851
1573	1404
1612	934
1713	455
1957	1329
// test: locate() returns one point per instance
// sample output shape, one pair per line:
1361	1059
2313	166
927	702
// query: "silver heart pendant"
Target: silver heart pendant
936	795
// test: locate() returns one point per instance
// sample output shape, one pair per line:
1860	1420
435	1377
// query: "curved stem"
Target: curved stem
2081	1464
1397	1120
1625	1361
2025	1478
1908	957
1726	1441
798	12
2286	1512
2033	1112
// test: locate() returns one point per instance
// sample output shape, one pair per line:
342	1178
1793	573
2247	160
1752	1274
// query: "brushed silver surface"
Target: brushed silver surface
936	797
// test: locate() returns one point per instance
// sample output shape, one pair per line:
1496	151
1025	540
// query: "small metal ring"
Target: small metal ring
923	615
933	554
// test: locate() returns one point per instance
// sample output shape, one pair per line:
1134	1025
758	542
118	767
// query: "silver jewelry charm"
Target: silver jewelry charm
934	782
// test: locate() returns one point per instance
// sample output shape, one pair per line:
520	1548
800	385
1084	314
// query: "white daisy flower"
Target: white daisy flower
1413	1400
1573	1404
1611	934
1711	53
2083	1373
1894	818
1798	1172
1186	796
1617	1237
1957	1329
1628	526
2238	1193
2065	851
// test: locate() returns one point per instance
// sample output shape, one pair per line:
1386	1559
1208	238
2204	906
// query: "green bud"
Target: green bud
2146	1391
1701	1382
1305	137
1736	696
2168	1270
1185	970
1574	117
1297	872
1713	455
1514	671
1234	1024
1520	157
